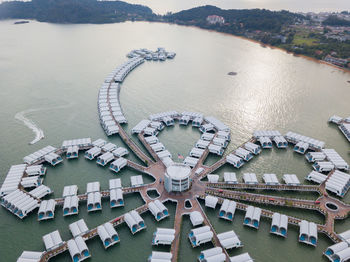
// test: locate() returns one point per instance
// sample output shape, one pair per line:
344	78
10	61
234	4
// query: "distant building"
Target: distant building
215	19
336	61
341	38
281	37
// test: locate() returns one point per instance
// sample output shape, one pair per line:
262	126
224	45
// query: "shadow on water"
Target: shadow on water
130	245
81	171
289	248
153	193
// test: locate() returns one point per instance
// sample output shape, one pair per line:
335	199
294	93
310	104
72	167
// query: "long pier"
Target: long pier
221	162
124	136
265	199
87	236
277	187
221	190
147	146
199	190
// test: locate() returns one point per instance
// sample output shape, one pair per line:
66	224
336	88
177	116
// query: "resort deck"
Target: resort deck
279	187
221	190
200	189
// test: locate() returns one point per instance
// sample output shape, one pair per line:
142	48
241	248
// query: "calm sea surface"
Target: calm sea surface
56	71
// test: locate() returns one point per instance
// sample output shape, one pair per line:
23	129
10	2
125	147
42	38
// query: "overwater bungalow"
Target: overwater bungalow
118	164
200	235
108	235
279	225
105	159
227	210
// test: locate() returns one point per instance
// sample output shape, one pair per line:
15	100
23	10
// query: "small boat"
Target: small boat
21	22
232	73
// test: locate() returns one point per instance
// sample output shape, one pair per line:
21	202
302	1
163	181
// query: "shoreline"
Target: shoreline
265	45
345	70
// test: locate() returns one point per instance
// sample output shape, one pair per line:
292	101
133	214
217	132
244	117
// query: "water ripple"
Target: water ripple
39	133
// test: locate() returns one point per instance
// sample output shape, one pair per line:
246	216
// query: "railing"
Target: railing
307	188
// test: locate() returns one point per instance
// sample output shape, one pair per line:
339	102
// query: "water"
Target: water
164	6
59	68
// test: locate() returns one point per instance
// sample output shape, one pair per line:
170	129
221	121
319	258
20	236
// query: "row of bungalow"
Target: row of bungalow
45	154
38	155
243	154
71	200
279	224
339	252
73	146
76	246
327	160
338	183
216	254
251	178
301	143
343	125
109	107
345	129
265	136
13	179
119	73
19	203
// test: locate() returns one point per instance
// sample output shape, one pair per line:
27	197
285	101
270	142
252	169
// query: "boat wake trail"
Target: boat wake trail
39	133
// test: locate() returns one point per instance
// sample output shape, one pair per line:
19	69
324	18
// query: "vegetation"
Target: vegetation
333	20
74	11
315	45
272	28
236	21
304	39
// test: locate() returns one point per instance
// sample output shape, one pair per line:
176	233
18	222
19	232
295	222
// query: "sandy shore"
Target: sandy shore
272	47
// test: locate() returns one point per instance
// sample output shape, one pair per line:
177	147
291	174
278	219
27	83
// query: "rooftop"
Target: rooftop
178	171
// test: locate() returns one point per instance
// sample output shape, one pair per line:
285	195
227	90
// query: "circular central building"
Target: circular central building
177	178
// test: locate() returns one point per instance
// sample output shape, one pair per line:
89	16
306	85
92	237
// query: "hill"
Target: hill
236	19
74	11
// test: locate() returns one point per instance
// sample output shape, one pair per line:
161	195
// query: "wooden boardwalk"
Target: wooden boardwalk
127	140
148	147
279	187
200	189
